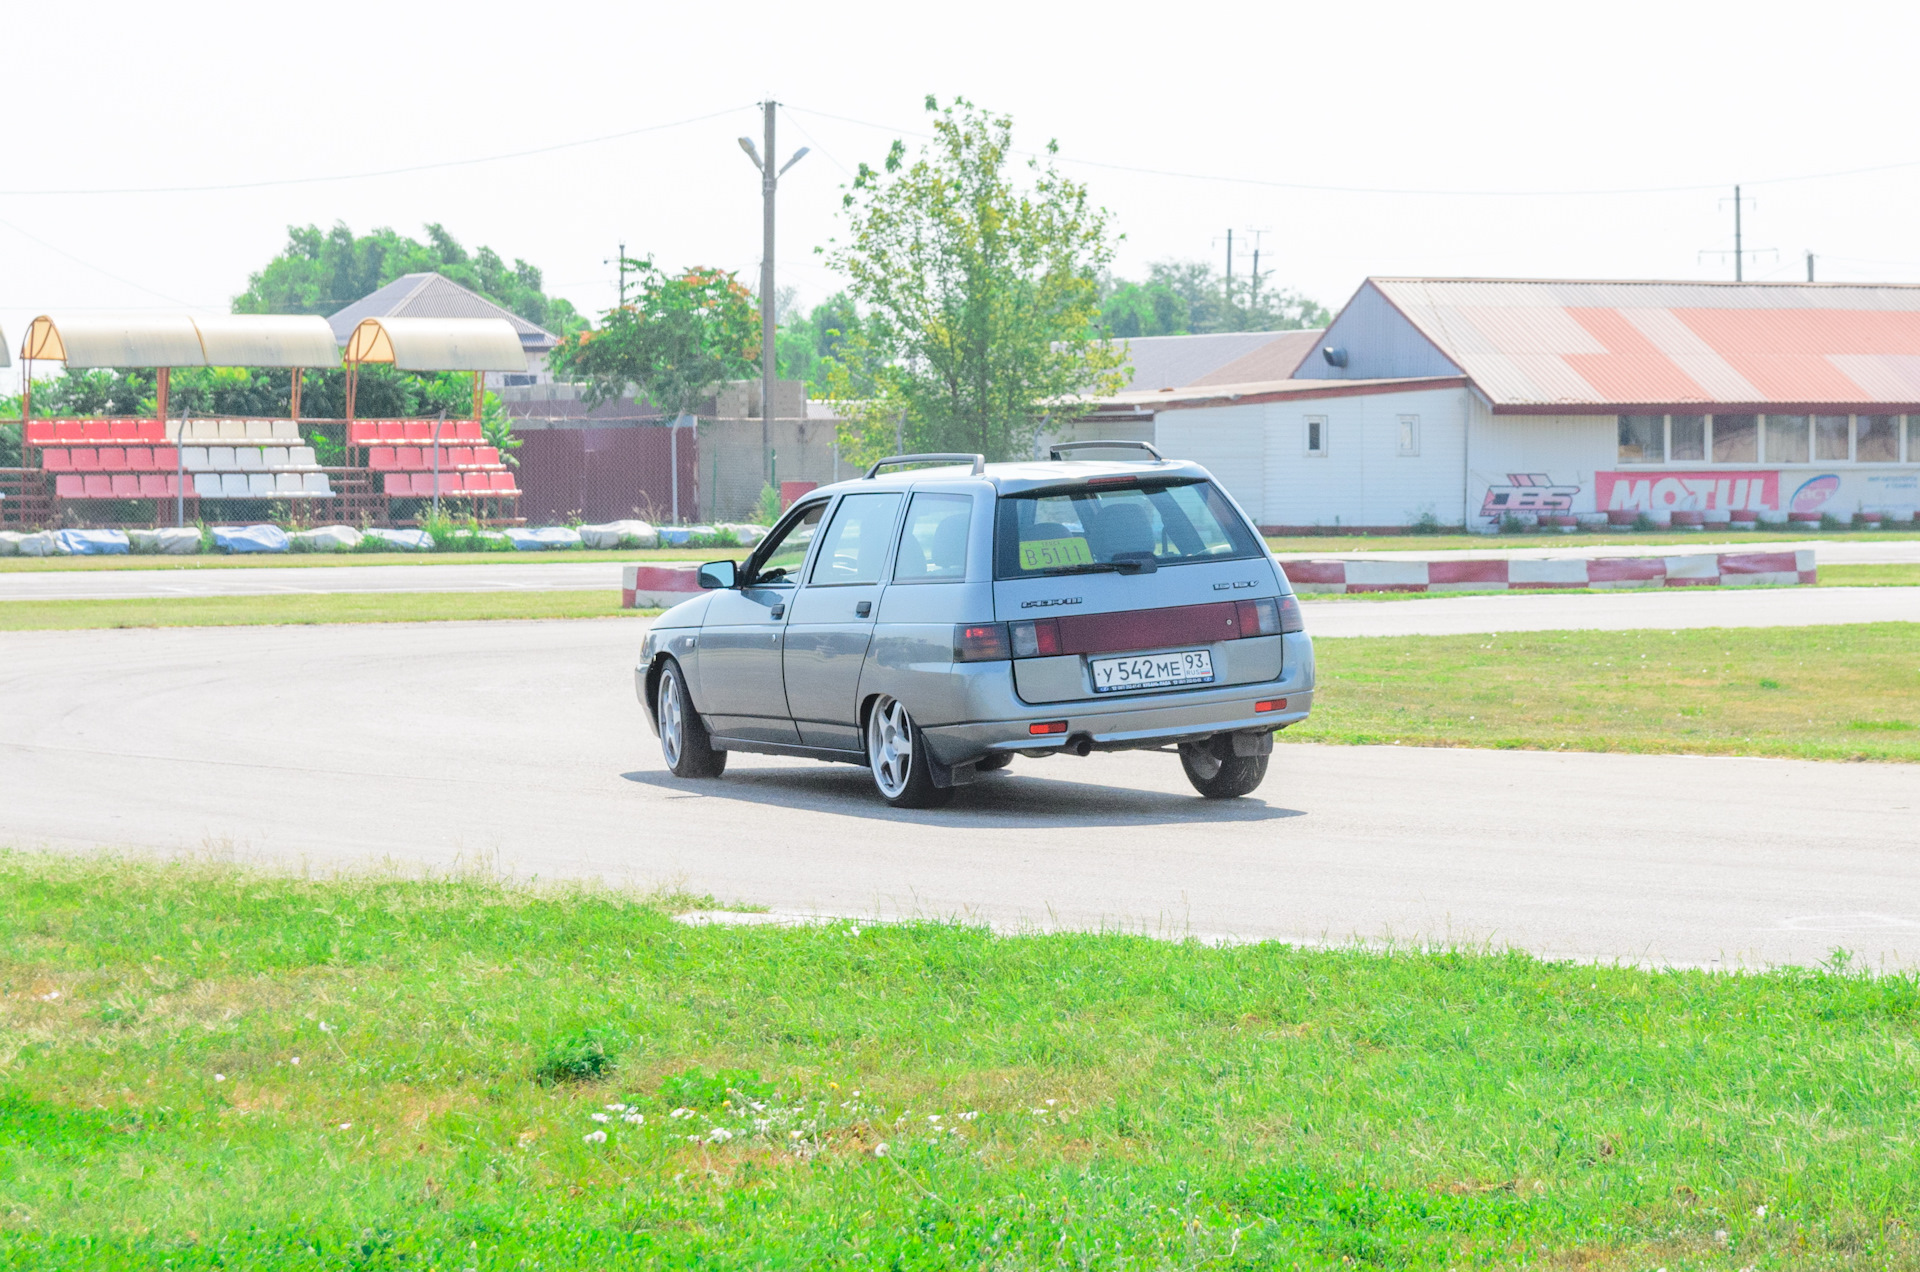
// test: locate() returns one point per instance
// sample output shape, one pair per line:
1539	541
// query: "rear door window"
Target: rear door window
854	548
933	545
1086	529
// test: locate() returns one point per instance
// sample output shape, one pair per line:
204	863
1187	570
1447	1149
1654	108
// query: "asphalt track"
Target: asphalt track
519	746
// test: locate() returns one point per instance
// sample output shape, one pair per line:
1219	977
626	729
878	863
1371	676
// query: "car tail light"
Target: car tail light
1039	638
1258	618
980	642
1051	726
1271	704
1290	617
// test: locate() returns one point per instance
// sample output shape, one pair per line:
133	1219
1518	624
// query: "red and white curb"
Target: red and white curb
1706	569
658	586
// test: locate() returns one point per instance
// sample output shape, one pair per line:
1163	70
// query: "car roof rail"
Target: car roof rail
1053	451
979	462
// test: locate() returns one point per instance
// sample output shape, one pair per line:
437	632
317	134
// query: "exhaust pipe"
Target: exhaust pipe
1080	744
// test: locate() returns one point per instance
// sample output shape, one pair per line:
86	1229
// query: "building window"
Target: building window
1830	436
1876	439
1786	439
1736	439
1409	435
1317	436
1643	439
1687	438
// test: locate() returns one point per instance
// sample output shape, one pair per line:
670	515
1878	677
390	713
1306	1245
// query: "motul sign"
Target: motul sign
1687	492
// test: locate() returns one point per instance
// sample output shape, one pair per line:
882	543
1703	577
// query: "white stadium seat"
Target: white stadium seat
247	459
233	430
207	485
286	431
194	459
316	484
259	430
274	456
220	458
302	457
285	483
259	483
234	484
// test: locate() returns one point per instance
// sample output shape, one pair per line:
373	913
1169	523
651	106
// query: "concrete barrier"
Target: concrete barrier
658	586
1703	569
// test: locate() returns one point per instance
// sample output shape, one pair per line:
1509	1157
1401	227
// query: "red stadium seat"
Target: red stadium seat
418	430
362	433
392	430
166	458
399	484
153	430
501	483
39	432
124	430
380	458
459	457
155	485
476	483
469	431
140	459
98	486
125	485
57	459
70	486
85	459
95	430
486	456
408	458
113	459
449	483
69	430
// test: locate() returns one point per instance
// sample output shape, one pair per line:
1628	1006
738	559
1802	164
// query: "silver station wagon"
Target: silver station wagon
935	622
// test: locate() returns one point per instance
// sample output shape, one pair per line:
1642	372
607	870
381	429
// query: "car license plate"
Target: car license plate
1152	671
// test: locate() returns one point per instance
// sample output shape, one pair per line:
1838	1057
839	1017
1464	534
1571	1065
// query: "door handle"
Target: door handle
780	610
863	609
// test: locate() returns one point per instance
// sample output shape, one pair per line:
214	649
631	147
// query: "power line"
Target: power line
98	270
1393	190
379	172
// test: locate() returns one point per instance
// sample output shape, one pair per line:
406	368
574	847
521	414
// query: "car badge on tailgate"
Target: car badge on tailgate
1058	600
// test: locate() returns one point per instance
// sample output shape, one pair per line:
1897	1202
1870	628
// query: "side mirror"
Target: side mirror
720	574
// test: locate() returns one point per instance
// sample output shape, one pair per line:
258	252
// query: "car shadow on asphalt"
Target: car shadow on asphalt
998	799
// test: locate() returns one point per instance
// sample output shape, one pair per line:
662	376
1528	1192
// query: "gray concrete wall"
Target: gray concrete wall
730	463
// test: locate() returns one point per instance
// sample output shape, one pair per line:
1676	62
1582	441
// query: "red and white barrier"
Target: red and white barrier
1705	569
661	586
658	586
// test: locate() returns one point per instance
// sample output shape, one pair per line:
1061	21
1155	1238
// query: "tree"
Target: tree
322	273
1182	297
682	335
981	296
813	346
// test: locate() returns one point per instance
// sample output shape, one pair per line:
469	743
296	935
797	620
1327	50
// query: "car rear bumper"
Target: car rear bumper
998	720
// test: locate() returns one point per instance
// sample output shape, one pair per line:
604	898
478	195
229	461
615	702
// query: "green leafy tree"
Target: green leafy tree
323	272
1131	310
982	296
814	346
682	335
1182	297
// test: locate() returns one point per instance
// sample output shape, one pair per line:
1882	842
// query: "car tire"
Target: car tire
998	760
684	739
1217	773
897	758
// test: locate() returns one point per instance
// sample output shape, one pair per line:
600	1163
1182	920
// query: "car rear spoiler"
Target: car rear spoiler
1053	451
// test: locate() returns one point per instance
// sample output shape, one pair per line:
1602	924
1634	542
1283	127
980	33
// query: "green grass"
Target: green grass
331	560
1063	1101
1817	693
1904	574
1329	544
340	607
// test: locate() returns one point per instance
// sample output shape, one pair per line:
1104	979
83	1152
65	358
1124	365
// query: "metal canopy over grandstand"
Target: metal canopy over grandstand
438	344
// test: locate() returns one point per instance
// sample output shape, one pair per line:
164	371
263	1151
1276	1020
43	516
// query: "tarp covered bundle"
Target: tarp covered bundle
250	538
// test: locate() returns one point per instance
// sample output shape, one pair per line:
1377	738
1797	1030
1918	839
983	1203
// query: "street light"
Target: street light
769	183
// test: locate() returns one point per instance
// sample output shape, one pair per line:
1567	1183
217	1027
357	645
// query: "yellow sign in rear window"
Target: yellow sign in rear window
1053	554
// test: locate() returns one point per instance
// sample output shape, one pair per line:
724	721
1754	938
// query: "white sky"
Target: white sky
1471	96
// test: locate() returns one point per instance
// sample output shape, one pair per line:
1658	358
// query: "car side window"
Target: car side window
780	558
934	543
855	547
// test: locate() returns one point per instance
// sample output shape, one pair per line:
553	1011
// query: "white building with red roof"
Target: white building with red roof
1470	400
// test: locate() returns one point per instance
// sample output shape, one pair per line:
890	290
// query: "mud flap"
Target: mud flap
1258	742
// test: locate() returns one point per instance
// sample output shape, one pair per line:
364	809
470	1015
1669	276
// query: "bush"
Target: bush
718	539
1830	522
583	1057
766	509
1643	524
1426	523
1511	524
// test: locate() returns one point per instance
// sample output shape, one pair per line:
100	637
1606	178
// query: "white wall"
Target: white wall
1258	453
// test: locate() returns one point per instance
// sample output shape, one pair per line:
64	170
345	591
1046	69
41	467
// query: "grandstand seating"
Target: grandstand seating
402	453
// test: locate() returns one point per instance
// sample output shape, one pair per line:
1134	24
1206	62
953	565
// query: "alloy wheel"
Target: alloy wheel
673	722
890	747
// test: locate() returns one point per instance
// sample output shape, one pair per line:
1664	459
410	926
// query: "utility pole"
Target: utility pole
1738	255
1740	249
1229	273
1809	266
769	362
621	260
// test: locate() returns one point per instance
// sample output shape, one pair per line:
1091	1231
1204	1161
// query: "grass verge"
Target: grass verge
333	607
334	560
1330	544
206	1068
1821	693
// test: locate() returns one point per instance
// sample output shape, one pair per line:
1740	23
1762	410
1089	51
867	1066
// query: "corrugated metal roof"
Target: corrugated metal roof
267	340
5	359
1170	362
1274	360
1567	343
1263	391
437	344
434	296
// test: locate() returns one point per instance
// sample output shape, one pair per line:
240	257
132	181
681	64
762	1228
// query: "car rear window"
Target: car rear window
1087	528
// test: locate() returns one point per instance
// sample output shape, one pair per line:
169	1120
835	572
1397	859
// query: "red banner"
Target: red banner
1686	492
